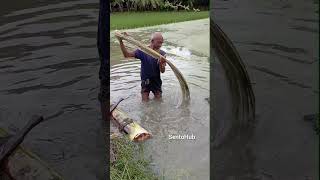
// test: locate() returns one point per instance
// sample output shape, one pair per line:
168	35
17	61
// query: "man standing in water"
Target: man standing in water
150	67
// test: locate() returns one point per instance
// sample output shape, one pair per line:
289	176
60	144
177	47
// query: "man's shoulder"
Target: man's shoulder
140	54
137	51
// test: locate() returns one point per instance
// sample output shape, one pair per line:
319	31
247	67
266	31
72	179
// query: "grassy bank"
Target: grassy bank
129	20
129	163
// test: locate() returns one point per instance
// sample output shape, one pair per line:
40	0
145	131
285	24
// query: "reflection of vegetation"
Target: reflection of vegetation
129	163
129	20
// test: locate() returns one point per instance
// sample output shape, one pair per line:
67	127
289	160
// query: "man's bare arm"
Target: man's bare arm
125	52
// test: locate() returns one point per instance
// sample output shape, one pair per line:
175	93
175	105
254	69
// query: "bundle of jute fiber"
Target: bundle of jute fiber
155	54
240	86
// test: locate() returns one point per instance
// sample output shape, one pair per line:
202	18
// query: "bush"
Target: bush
151	5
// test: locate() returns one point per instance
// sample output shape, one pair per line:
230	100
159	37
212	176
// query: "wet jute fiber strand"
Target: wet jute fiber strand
243	99
155	54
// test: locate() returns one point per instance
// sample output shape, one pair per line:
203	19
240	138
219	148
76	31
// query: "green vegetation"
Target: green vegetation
129	162
128	20
156	5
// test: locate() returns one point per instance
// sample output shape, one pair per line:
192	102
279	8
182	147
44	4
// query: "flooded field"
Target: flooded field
187	46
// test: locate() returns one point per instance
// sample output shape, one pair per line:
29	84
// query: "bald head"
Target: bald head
156	40
156	35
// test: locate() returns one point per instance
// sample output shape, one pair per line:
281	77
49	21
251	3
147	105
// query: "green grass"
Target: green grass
129	20
130	163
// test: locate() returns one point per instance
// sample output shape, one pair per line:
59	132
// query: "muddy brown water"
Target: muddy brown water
49	66
172	159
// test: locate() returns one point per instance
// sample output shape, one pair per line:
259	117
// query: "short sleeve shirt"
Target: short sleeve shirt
149	65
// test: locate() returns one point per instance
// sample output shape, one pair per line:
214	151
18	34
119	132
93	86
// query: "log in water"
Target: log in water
23	164
128	125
